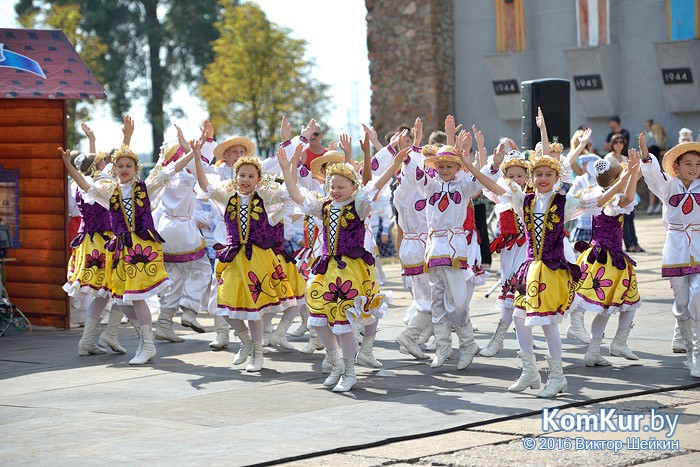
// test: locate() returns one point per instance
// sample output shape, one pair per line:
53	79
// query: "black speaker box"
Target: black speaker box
552	96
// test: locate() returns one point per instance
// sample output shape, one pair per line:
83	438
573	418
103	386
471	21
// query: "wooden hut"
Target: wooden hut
39	70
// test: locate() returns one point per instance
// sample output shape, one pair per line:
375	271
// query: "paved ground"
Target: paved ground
190	405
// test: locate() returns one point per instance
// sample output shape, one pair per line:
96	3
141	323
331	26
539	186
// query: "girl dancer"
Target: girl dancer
87	273
252	282
545	280
134	259
345	286
679	193
608	283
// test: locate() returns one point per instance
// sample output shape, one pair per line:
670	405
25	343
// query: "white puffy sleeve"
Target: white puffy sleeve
219	193
415	176
513	198
583	202
100	191
613	208
313	203
655	179
275	197
158	179
364	201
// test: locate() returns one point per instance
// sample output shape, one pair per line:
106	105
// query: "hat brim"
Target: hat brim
329	157
233	141
677	151
431	161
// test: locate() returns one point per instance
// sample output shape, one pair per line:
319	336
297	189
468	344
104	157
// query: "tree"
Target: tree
258	75
153	46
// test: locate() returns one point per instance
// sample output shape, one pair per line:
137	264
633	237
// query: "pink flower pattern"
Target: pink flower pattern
340	290
138	254
95	259
599	283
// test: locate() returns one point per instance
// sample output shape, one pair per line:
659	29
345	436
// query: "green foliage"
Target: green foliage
258	75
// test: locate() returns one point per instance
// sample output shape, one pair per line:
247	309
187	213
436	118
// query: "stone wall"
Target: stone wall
410	46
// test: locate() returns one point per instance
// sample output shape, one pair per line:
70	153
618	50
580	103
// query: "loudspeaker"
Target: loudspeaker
552	96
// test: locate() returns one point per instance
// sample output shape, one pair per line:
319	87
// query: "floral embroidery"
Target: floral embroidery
533	292
687	207
138	254
346	215
231	208
304	172
584	271
552	218
598	283
256	209
340	290
420	205
114	200
256	286
95	259
139	195
279	274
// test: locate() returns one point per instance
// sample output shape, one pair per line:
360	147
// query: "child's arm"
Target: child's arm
631	188
489	184
654	178
201	177
90	136
366	161
389	172
574	153
617	186
127	129
373	138
539	120
451	130
481	149
286	166
73	172
346	147
181	139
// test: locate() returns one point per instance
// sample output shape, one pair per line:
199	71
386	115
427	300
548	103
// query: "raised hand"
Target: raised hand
373	138
346	144
65	154
478	137
632	157
181	138
285	129
586	137
332	146
512	145
417	132
128	129
451	130
464	141
498	155
539	119
364	143
308	129
88	132
643	146
208	129
282	159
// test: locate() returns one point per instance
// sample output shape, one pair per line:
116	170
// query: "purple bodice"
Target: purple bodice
141	220
349	238
259	232
94	220
606	239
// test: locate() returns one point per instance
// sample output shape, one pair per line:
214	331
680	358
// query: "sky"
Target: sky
336	33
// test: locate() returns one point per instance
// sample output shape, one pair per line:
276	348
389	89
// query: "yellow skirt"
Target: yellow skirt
250	288
86	268
139	272
340	296
548	295
295	278
605	289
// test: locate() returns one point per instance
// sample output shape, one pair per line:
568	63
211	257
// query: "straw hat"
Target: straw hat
328	157
677	151
443	153
233	141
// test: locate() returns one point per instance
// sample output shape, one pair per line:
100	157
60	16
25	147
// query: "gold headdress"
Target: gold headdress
100	156
514	159
429	149
328	157
444	153
545	161
343	169
124	151
555	147
248	160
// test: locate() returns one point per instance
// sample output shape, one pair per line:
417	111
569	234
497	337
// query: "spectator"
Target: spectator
315	148
615	128
685	135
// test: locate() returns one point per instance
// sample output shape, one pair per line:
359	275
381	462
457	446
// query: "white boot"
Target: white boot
556	381
222	334
618	347
146	350
365	357
467	346
688	329
443	340
425	335
256	358
267	332
86	345
326	364
164	326
348	380
279	336
432	345
678	342
110	336
314	343
189	320
246	347
695	371
408	337
530	377
593	357
576	329
338	366
304	326
495	345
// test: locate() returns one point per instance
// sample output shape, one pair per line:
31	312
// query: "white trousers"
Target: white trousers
450	295
189	282
686	290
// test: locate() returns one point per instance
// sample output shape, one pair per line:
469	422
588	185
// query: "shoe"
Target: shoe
658	208
365	357
576	329
246	347
314	343
304	326
267	332
408	337
593	357
335	356
189	320
678	343
146	350
222	334
443	340
556	381
86	345
163	329
467	346
425	335
326	364
530	377
279	337
618	347
256	358
692	355
495	345
650	209
110	336
348	380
